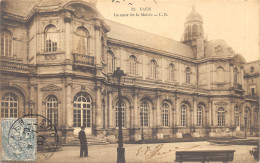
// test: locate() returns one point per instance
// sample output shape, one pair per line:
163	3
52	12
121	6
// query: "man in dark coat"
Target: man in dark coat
83	143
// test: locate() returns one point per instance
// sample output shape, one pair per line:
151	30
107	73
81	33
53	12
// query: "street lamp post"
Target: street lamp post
142	125
245	125
117	76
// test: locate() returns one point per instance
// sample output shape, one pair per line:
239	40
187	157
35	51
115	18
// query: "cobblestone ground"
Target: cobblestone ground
144	152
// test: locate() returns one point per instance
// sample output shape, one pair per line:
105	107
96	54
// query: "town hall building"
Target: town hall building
57	60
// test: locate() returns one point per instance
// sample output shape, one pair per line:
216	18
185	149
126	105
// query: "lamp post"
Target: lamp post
117	76
142	125
245	125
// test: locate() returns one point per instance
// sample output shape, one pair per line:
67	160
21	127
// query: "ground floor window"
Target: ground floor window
144	113
82	110
165	115
123	114
221	117
9	106
52	109
237	117
199	116
183	115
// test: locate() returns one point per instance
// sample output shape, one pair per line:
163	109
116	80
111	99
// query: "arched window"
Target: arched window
188	73
235	75
199	116
153	66
247	118
144	114
6	43
123	114
80	42
220	74
237	116
51	39
52	109
171	72
9	106
132	65
82	110
183	115
111	61
165	114
221	117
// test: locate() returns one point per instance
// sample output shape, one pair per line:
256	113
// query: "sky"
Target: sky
235	21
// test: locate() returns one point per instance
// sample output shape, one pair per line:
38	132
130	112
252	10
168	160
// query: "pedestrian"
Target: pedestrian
83	142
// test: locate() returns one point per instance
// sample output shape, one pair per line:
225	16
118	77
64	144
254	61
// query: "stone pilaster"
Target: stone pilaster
67	21
69	108
110	110
98	111
159	133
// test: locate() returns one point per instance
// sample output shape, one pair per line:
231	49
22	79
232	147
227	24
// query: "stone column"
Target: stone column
98	43
110	112
193	117
159	133
136	117
212	133
32	100
98	108
177	117
67	21
231	75
69	109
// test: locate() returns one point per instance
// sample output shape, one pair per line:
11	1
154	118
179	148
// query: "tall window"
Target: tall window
188	73
6	43
237	116
165	114
235	75
221	117
247	118
51	39
82	110
52	109
111	61
9	106
171	72
81	41
199	116
123	114
153	66
220	74
132	65
183	115
144	114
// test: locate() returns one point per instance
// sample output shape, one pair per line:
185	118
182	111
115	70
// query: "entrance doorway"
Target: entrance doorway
82	113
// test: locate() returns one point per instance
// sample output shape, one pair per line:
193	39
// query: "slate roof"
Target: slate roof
143	38
118	31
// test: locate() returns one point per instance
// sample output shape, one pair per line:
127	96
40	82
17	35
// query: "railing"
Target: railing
14	66
82	59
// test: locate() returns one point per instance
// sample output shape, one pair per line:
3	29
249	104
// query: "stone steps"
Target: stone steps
92	140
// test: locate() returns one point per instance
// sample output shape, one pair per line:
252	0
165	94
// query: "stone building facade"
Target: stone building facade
57	59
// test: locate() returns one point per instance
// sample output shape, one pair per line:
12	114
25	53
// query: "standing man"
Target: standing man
83	143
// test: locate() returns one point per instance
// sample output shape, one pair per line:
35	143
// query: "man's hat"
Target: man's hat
82	127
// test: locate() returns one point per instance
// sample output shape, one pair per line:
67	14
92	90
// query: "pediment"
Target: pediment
51	87
83	11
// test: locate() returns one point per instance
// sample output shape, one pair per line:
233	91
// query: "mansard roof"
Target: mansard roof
131	35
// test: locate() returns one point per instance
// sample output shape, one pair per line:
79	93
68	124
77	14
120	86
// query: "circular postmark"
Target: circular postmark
39	136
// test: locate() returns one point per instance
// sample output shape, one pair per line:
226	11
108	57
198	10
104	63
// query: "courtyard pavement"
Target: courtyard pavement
161	153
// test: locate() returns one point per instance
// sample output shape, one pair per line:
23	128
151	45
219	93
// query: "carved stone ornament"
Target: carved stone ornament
82	12
51	87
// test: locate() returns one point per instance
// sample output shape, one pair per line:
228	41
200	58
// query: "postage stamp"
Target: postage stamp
19	139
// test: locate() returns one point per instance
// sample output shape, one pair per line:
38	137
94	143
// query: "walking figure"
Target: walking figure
83	143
